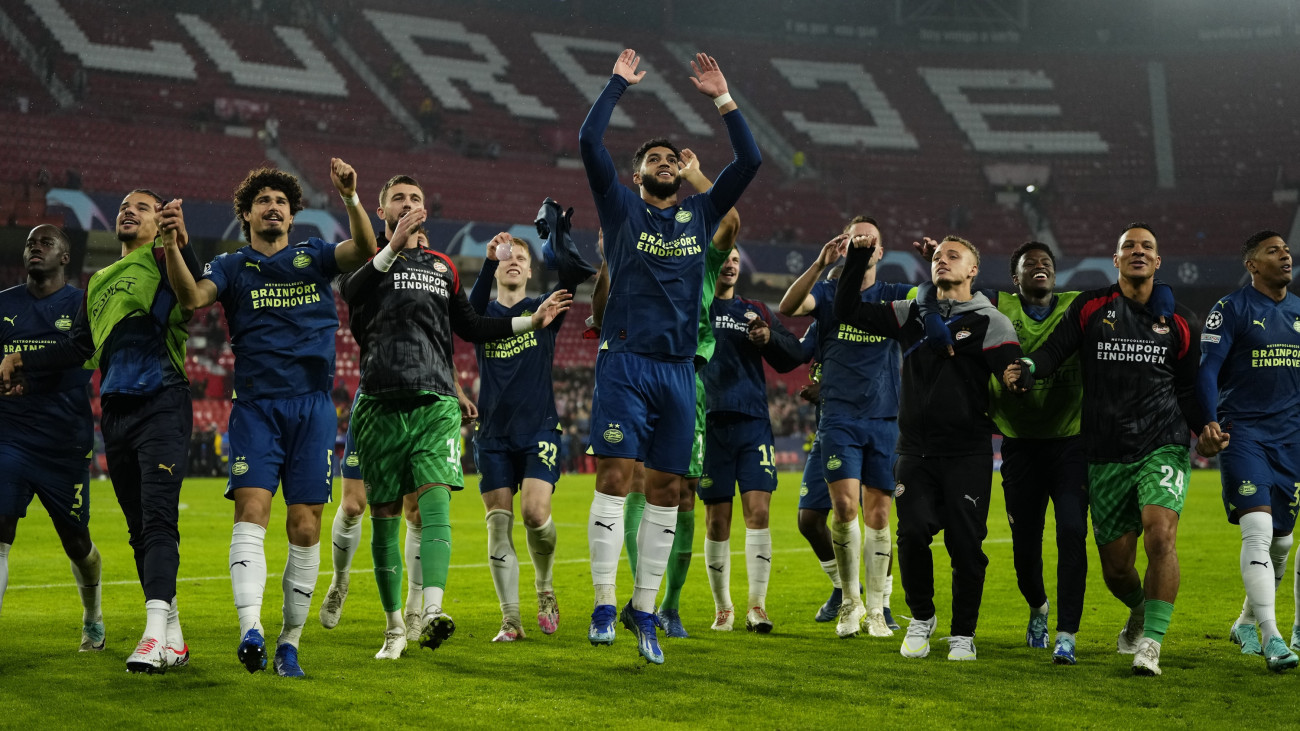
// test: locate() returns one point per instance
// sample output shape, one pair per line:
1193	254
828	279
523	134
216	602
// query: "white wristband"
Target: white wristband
521	324
383	260
352	201
722	101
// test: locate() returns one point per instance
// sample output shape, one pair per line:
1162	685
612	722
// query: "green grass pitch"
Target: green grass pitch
800	676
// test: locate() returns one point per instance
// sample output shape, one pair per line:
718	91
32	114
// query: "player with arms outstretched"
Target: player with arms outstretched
280	306
655	245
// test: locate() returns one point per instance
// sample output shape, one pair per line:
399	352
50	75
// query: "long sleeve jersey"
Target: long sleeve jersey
1139	375
734	379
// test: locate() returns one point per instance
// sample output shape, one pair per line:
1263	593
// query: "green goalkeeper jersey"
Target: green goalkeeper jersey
713	261
1051	409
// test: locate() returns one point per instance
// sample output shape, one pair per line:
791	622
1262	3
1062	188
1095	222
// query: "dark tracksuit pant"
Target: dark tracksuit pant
146	441
1034	470
949	494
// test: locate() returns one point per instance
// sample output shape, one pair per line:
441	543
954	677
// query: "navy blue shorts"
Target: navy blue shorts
1256	474
287	441
738	449
858	448
62	484
351	460
644	409
508	461
814	493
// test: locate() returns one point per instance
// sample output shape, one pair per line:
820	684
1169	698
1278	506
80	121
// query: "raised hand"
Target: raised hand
689	160
171	221
708	78
626	65
344	177
407	228
493	247
926	248
833	250
864	241
554	306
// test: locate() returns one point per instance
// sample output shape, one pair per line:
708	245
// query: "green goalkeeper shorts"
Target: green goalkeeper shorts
696	467
1117	492
406	442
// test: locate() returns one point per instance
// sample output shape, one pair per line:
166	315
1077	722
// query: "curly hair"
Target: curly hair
266	178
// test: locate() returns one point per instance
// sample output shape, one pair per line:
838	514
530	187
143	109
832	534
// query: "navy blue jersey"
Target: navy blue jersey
811	342
1250	366
516	396
282	317
733	379
860	371
53	415
656	256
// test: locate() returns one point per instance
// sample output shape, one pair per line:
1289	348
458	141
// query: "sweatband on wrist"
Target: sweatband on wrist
383	260
722	101
521	324
351	201
1030	363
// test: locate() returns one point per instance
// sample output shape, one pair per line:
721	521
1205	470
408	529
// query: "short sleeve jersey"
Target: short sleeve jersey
53	416
860	371
656	273
1259	382
282	317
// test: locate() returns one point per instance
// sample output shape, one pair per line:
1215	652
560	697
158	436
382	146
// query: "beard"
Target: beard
661	190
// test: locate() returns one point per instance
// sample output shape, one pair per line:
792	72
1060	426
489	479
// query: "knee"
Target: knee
535	518
1161	542
77	544
757	518
351	506
846	508
811	523
876	516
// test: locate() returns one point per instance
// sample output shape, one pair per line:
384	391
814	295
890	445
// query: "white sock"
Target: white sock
717	561
605	540
502	561
832	569
299	582
345	535
396	623
432	597
4	571
654	543
414	569
175	638
889	589
1278	551
541	547
1256	572
877	547
846	539
758	564
86	572
248	574
155	619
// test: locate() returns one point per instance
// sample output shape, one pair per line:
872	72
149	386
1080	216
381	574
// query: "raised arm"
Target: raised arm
746	158
362	281
470	326
879	319
351	254
724	238
192	294
601	173
481	293
798	299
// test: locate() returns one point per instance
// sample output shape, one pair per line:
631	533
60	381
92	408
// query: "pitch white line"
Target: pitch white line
583	559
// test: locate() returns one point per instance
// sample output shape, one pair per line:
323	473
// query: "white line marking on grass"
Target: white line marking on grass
484	565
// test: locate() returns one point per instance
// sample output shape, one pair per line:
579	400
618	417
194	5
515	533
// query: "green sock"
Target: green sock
435	537
1157	619
388	561
1133	600
680	561
632	510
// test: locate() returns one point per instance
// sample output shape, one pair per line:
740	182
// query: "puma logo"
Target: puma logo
717	568
307	594
886	555
973	500
1259	563
609	528
1259	322
841	545
239	563
10	320
254	265
1109	322
341	548
389	569
763	558
670	531
502	559
165	467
